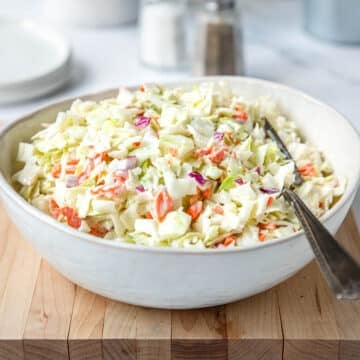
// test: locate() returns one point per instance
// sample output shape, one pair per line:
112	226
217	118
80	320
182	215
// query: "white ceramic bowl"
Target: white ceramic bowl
183	278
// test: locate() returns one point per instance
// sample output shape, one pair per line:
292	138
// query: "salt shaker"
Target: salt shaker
163	34
217	41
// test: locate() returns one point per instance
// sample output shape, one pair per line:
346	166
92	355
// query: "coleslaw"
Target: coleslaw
175	167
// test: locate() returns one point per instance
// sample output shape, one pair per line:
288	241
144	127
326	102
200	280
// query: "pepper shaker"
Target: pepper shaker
218	45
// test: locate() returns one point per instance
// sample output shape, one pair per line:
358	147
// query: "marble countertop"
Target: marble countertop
275	45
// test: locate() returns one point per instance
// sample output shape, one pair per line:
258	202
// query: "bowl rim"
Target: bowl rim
10	192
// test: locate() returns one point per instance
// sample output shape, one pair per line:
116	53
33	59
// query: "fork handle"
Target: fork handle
341	271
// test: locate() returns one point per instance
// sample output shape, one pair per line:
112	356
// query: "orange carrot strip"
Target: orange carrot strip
203	152
267	226
217	156
71	216
70	169
54	209
229	240
56	171
307	170
98	230
270	200
103	156
206	194
240	115
195	210
87	171
163	204
72	162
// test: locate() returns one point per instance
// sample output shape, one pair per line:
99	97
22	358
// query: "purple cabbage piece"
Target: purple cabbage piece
198	177
218	135
72	181
239	181
268	190
142	122
258	170
140	188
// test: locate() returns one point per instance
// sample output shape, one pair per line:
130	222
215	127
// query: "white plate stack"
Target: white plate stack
33	60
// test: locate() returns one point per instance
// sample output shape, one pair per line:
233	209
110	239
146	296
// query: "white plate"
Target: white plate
34	60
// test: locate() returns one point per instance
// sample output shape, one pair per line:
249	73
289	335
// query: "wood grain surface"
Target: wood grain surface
44	316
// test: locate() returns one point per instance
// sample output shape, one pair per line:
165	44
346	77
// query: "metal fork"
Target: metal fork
340	269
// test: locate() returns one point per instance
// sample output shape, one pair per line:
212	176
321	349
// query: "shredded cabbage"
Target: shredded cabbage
173	167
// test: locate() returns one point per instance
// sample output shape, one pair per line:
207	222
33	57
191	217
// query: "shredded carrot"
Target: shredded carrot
71	166
54	209
136	143
218	209
69	213
56	171
262	236
89	167
53	204
217	156
103	156
163	204
72	162
148	215
206	194
267	226
270	200
70	169
239	114
195	210
120	178
98	230
142	88
203	152
307	170
71	216
229	240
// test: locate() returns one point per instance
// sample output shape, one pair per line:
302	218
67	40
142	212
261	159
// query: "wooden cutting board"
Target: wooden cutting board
45	316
